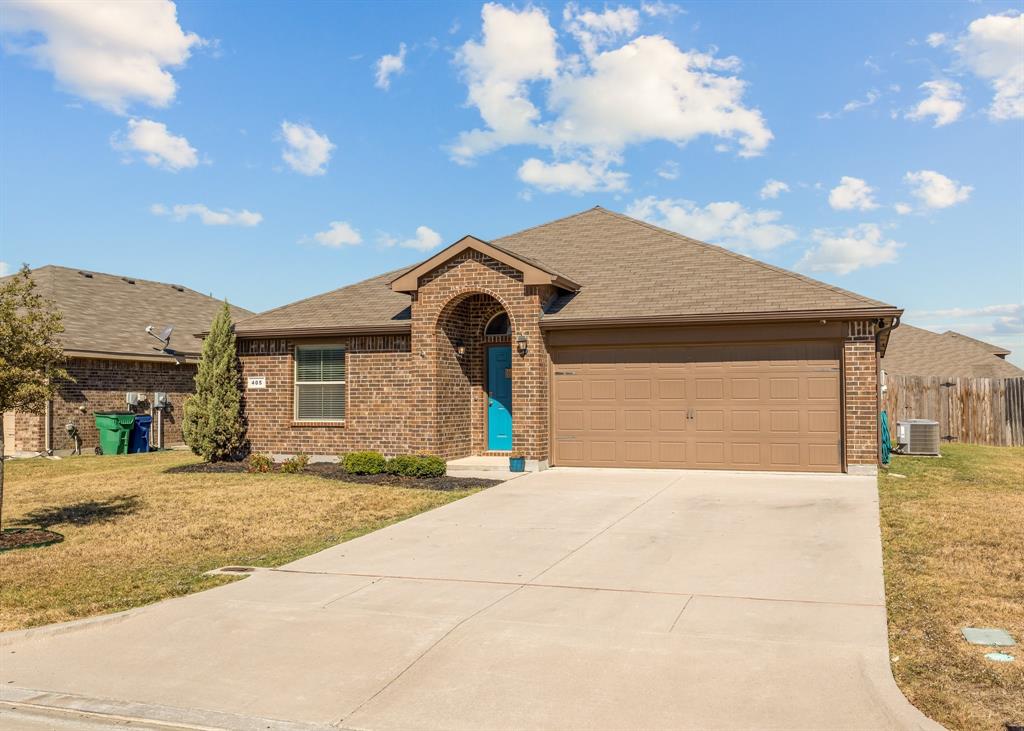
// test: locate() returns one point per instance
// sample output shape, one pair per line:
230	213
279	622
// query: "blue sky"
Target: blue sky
266	152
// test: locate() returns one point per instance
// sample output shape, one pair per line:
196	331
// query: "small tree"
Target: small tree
213	415
30	355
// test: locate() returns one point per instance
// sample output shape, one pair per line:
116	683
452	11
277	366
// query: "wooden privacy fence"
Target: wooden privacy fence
971	410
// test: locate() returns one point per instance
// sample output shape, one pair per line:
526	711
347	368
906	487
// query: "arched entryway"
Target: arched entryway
474	376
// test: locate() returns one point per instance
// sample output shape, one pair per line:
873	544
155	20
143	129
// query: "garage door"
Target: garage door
756	407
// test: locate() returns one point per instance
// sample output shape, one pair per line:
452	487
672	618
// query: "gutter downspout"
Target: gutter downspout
882	330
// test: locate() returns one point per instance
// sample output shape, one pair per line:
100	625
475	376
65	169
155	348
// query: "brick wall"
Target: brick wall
101	385
413	393
860	370
383	410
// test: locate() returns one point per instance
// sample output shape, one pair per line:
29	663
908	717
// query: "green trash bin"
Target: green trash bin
115	428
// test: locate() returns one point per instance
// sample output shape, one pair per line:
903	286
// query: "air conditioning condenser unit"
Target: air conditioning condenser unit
918	436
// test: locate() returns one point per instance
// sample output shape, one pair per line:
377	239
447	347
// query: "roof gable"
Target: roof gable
533	271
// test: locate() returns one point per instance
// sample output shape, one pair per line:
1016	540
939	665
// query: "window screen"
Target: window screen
320	383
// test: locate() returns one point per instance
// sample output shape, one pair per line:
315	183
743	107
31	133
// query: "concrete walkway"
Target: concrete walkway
566	599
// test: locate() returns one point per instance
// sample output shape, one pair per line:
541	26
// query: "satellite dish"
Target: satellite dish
164	337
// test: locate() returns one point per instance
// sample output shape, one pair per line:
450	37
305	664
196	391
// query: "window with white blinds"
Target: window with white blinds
320	383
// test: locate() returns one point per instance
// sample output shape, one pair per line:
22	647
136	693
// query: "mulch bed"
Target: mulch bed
333	471
27	538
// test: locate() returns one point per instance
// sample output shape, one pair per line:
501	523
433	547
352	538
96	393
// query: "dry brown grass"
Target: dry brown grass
953	538
134	534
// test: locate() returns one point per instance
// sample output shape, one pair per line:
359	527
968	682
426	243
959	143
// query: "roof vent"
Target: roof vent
87	275
177	287
130	281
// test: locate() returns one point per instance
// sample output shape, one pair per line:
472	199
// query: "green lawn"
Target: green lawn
953	540
135	534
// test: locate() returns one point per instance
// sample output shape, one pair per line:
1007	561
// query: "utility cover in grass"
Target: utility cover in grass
987	636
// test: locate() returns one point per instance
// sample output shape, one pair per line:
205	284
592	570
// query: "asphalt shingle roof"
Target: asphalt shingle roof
108	314
629	268
916	352
625	268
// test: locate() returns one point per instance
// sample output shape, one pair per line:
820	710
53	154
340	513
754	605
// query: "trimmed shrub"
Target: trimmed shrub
420	465
403	464
364	463
295	464
431	466
259	463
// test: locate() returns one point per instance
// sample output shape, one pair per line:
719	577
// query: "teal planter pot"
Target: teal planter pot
517	464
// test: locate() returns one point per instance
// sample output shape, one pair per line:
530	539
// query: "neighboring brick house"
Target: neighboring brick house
593	340
916	352
109	354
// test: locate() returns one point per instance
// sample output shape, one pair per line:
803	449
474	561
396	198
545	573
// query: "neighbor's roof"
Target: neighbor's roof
994	349
916	352
106	314
626	270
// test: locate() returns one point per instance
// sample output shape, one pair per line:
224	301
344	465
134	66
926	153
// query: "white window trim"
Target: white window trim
296	382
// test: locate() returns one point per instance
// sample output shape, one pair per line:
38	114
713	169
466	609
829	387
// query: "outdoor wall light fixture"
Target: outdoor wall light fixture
460	349
521	344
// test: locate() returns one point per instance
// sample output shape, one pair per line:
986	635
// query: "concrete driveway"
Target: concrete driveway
568	599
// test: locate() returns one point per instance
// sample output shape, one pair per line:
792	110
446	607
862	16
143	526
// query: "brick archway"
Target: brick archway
458	423
460	367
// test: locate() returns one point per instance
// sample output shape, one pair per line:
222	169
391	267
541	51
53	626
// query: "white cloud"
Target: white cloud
5	268
661	9
208	216
571	177
669	170
993	49
943	101
850	194
338	234
1014	309
863	246
872	96
903	208
111	53
724	223
935	39
596	105
593	30
772	188
306	151
935	190
389	65
425	239
158	147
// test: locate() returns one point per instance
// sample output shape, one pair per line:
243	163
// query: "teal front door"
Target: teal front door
499	398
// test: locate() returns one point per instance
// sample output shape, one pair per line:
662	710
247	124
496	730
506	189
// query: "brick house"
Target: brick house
593	340
109	354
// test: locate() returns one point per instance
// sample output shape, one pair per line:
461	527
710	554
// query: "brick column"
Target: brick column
860	374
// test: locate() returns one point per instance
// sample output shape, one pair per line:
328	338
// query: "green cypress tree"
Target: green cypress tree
213	426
